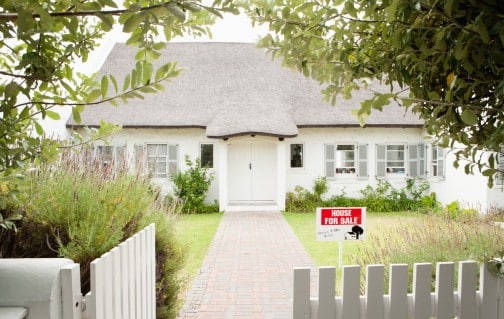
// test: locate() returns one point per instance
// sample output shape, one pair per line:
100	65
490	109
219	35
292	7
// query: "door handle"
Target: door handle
250	166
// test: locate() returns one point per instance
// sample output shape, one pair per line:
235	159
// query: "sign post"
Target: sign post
340	224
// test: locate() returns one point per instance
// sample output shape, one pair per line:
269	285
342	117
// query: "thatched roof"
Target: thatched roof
232	89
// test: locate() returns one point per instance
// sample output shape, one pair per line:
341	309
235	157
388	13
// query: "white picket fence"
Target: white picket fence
464	301
123	280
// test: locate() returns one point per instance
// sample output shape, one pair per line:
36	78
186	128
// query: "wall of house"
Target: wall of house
314	140
188	141
469	190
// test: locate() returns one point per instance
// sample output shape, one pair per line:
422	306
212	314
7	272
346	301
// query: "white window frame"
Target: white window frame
359	168
302	156
151	162
383	158
437	162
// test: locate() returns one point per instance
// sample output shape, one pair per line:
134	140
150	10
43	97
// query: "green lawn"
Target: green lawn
195	233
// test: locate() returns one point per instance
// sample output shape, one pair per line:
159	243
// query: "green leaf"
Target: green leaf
177	12
126	83
214	12
38	128
483	32
53	115
76	115
104	87
469	117
107	21
114	83
133	22
93	95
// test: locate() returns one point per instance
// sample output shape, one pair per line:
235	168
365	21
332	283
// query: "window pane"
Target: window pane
345	159
206	155
296	155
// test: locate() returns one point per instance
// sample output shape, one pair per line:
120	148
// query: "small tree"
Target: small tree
192	186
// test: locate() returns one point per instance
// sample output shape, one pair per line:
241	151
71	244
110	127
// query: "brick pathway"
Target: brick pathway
247	272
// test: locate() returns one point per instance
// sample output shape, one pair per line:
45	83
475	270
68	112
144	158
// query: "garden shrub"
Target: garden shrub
191	187
80	212
302	200
382	198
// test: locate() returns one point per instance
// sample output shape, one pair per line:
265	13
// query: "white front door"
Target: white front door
252	171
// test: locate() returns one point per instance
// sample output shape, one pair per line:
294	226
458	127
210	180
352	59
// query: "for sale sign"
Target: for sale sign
340	223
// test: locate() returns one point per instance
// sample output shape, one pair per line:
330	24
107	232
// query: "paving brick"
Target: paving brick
247	272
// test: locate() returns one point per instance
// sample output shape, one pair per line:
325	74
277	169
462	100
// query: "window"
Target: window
112	156
499	180
161	159
346	160
437	161
390	159
206	155
104	154
296	155
396	159
400	160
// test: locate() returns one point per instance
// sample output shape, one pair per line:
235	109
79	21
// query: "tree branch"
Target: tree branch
14	16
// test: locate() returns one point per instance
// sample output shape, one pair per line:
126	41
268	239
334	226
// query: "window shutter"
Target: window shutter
120	157
362	168
413	160
441	162
381	151
500	176
422	160
329	160
139	156
172	159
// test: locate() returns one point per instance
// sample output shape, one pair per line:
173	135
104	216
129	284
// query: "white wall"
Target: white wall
314	140
469	190
189	141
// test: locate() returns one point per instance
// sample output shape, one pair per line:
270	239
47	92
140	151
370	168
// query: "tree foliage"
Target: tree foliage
443	59
41	41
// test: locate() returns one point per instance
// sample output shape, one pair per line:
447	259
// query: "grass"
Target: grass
326	253
403	238
195	233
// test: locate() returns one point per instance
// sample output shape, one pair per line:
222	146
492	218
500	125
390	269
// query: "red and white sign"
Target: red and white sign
340	223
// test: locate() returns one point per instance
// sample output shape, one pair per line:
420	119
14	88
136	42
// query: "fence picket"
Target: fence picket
421	304
143	274
351	292
301	293
444	303
124	253
398	291
374	308
117	284
152	277
445	306
489	293
123	282
326	293
467	290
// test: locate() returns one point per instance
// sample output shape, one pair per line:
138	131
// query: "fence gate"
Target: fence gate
123	280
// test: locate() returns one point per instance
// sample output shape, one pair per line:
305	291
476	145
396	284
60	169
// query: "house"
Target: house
263	129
